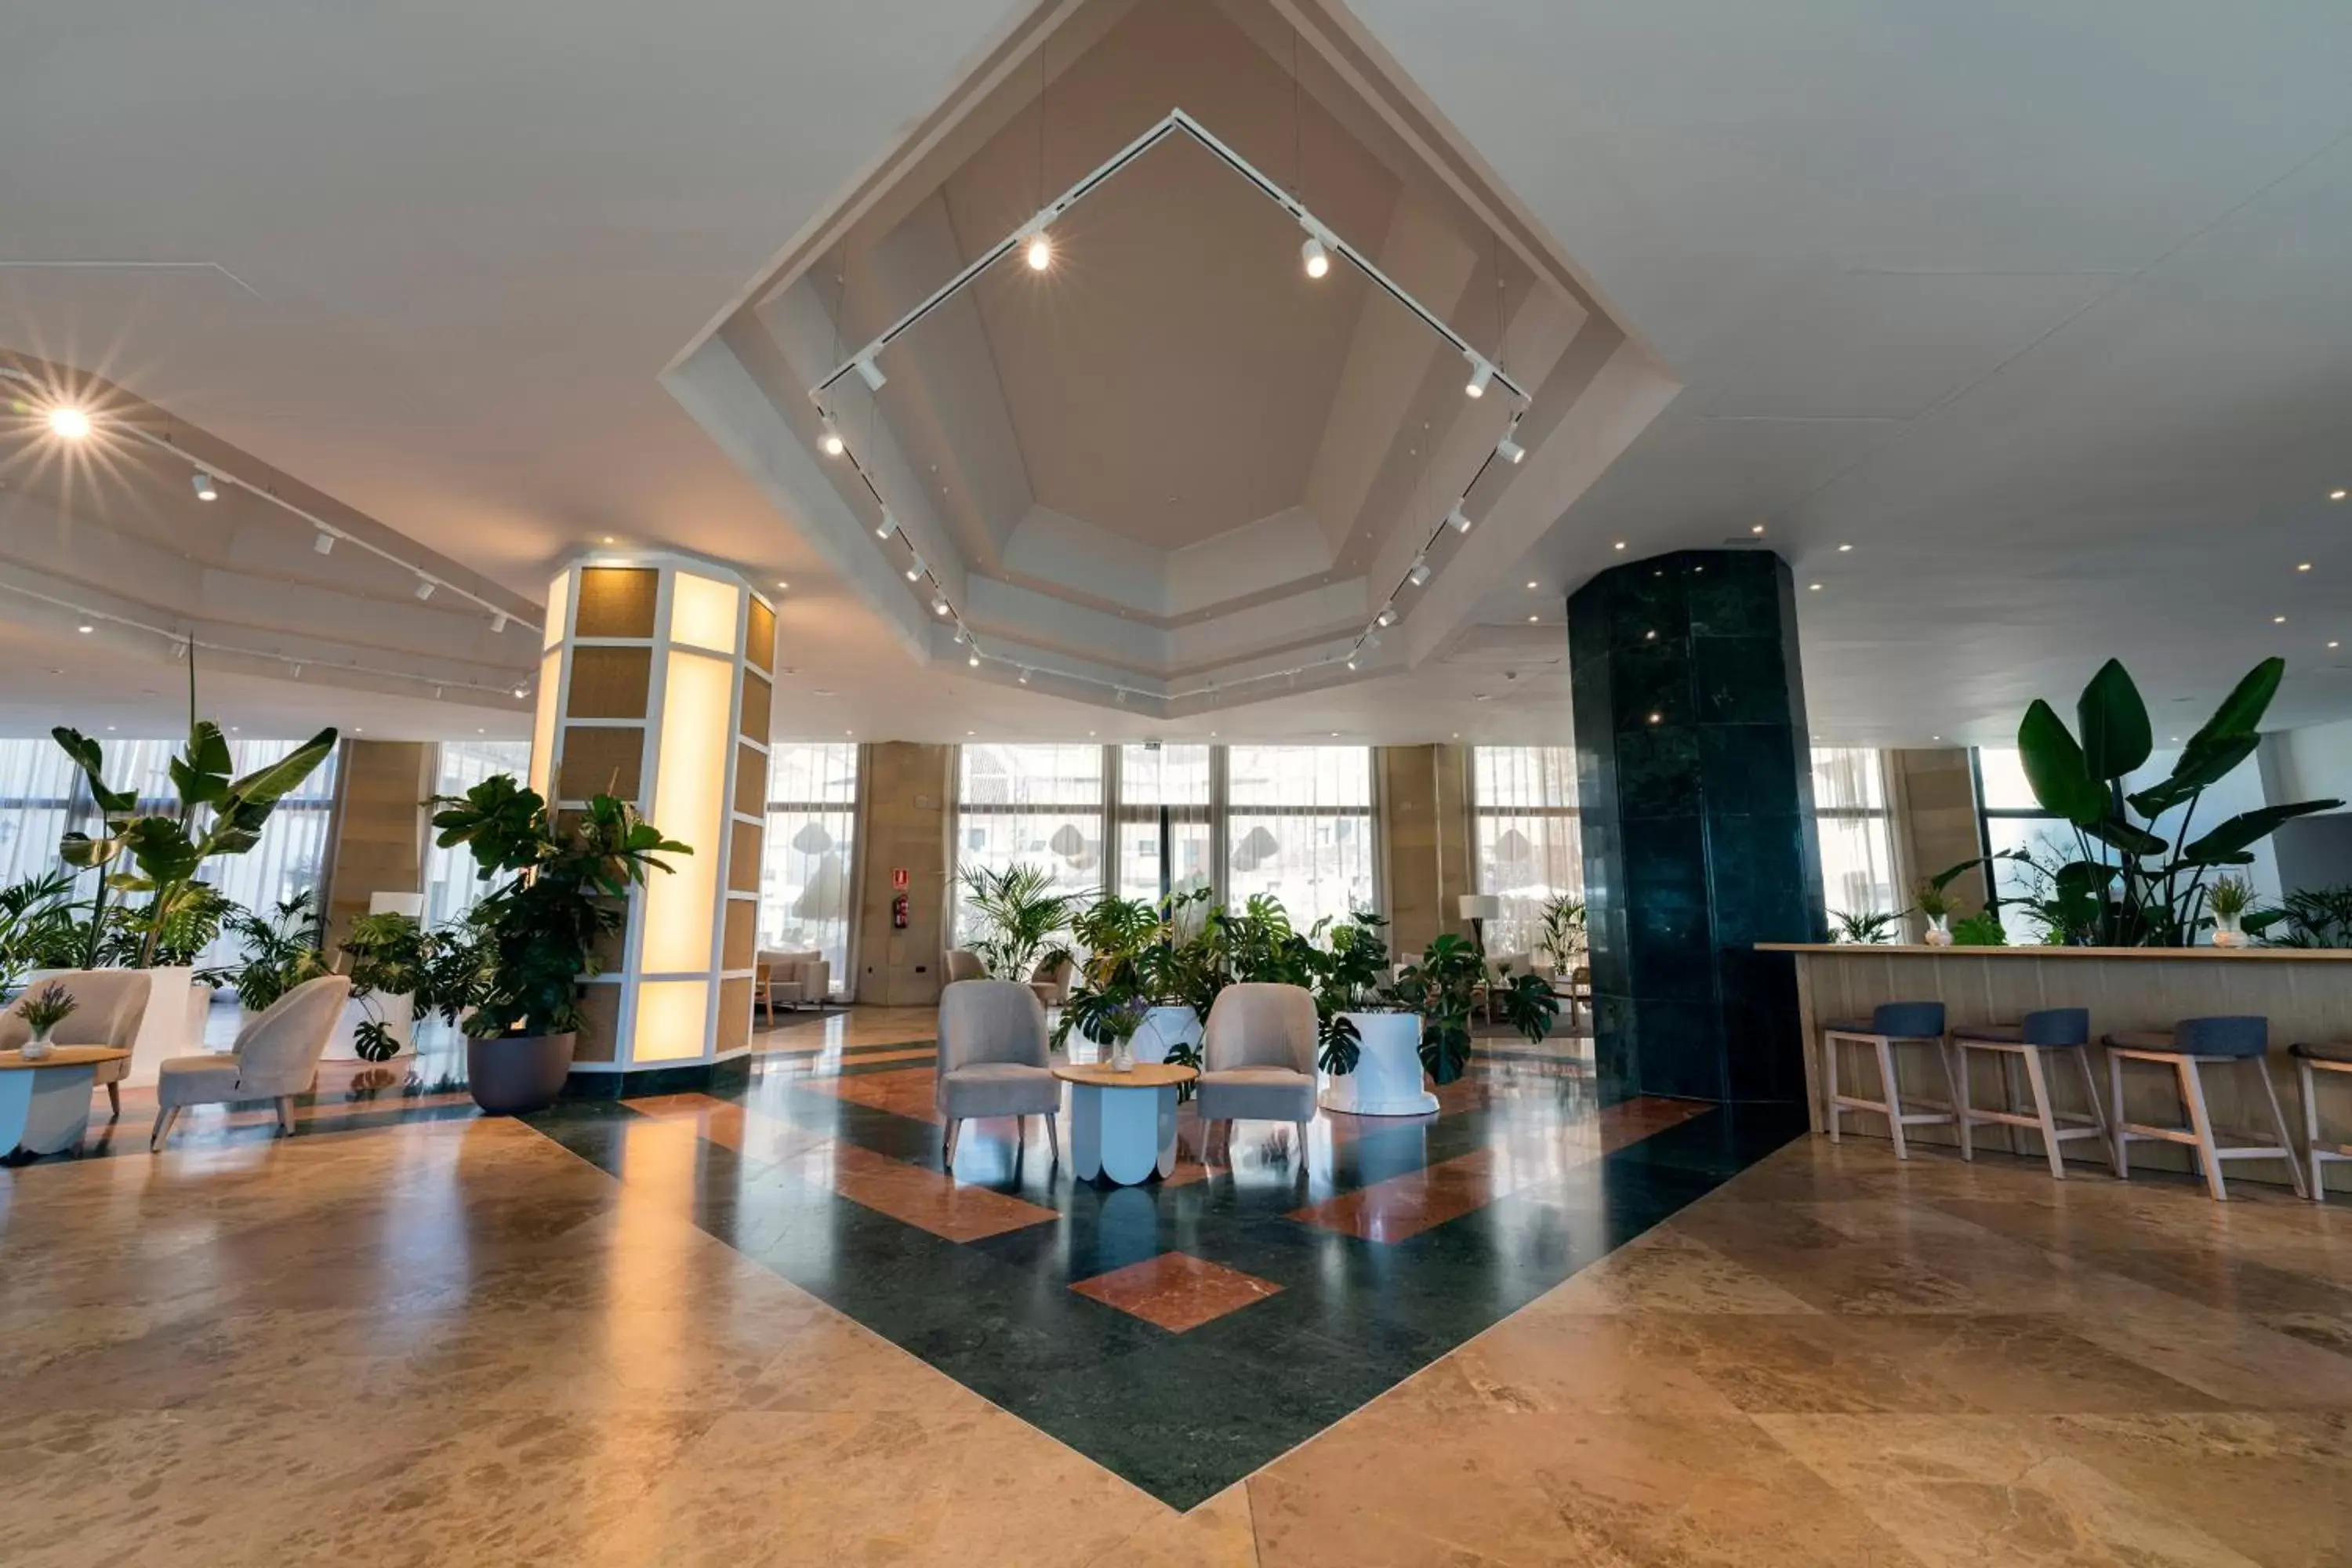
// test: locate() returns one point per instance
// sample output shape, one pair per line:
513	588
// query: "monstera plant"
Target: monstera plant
2130	885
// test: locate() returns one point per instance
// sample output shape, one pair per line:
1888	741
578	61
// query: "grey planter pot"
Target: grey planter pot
516	1074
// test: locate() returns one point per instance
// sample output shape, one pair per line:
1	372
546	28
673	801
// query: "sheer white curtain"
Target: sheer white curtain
1165	786
1530	849
1856	832
1040	806
806	888
1299	825
452	883
42	798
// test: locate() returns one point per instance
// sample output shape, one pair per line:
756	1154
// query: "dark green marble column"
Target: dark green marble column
1696	782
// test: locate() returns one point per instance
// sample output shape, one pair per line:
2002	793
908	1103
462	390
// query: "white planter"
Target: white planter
1387	1080
173	1025
1163	1028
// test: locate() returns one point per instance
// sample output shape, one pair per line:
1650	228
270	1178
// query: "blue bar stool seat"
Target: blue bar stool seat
2035	1040
1891	1024
2310	1061
2193	1044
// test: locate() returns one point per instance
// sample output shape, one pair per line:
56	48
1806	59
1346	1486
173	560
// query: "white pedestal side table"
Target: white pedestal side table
44	1105
1123	1124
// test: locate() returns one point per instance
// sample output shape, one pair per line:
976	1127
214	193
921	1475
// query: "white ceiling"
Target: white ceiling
2046	310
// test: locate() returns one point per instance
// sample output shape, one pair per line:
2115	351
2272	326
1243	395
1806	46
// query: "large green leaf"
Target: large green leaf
202	776
2116	738
87	757
2248	828
162	848
2203	764
80	851
2061	780
265	786
2241	713
2125	836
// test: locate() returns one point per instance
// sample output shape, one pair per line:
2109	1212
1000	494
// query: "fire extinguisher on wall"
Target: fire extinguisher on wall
898	911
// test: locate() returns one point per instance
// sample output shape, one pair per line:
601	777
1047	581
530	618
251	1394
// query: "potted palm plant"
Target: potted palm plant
1016	914
565	891
282	949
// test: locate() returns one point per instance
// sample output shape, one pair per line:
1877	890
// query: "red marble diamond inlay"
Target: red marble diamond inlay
1176	1291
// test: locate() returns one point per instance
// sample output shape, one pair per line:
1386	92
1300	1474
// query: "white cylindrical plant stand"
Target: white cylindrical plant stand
1387	1079
1165	1028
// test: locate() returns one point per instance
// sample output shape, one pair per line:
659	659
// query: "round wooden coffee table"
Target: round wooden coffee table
44	1105
1123	1124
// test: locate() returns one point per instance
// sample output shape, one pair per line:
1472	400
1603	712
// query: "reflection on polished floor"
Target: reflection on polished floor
760	1326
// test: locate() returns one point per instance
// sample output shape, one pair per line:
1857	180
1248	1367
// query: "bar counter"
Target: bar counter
2305	993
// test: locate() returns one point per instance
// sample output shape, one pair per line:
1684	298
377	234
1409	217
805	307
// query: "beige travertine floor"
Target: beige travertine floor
453	1342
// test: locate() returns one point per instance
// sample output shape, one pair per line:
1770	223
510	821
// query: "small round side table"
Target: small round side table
1123	1124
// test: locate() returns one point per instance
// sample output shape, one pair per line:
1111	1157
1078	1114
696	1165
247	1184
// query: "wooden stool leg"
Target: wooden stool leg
2278	1125
2307	1081
2118	1145
2040	1085
1829	1078
1894	1096
2200	1120
1958	1070
2091	1089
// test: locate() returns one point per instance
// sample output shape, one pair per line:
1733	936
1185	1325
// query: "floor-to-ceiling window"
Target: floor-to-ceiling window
43	798
2009	818
1039	806
1856	832
1167	838
1299	825
807	877
1528	847
453	879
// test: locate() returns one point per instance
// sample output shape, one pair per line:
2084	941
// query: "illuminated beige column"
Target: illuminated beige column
655	687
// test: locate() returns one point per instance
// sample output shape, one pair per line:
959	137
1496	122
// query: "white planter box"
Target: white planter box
342	1046
1387	1079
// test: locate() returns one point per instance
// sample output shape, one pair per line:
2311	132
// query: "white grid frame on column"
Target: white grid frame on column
628	975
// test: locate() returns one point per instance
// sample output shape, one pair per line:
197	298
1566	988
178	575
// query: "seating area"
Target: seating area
1251	784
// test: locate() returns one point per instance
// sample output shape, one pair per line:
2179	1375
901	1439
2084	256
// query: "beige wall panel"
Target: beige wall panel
617	602
743	858
600	1010
751	781
382	825
609	682
909	809
597	760
734	1015
759	703
741	945
760	637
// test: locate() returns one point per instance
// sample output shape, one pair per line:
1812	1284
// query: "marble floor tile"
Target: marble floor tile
1973	1490
1175	1291
1219	1533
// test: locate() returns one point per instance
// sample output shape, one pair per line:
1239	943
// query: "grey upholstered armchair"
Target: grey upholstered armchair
964	964
111	1005
993	1057
1257	1058
276	1057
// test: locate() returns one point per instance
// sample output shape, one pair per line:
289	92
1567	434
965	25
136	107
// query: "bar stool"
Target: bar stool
2033	1040
2309	1062
1892	1024
2195	1044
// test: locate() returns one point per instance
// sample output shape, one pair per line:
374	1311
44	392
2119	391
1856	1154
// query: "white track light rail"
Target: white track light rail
1177	123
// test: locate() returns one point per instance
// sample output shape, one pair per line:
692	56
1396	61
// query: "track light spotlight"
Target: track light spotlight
521	692
830	441
1371	640
915	570
1459	519
497	621
1351	661
425	586
1317	259
298	672
205	489
939	606
974	660
1024	677
1387	616
325	544
178	650
1420	573
871	375
85	628
1510	451
887	527
1040	252
1481	372
67	421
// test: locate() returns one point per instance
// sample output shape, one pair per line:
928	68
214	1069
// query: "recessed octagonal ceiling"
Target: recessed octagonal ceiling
1170	471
